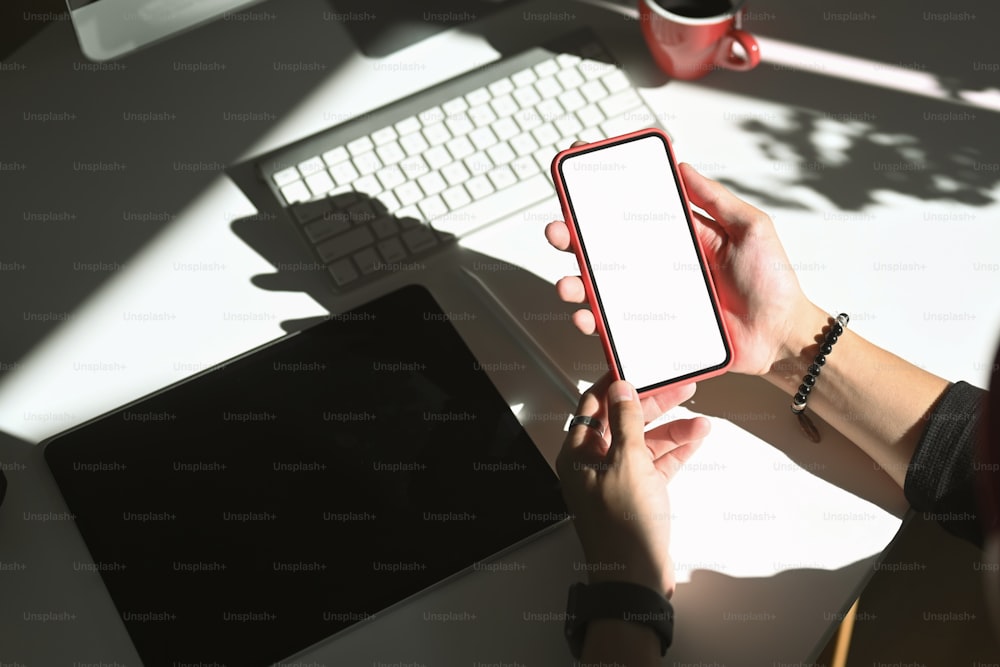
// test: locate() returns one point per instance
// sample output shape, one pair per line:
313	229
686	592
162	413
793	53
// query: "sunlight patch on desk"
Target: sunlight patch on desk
100	340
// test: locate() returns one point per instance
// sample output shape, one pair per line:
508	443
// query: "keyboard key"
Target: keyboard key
630	121
345	244
620	102
478	163
310	210
343	272
460	147
320	183
455	173
503	86
482	115
546	68
528	119
407	126
432	183
478	97
591	134
385	135
390	152
414	144
594	69
409	193
527	97
367	260
497	206
285	176
568	126
615	81
479	186
524	144
322	229
361	213
385	227
343	173
547	134
501	153
569	78
549	110
524	167
456	197
338	154
543	156
482	137
296	192
414	167
436	134
367	163
433	207
572	100
389	201
392	250
524	77
590	115
409	216
459	124
501	177
419	239
359	146
593	91
455	106
504	105
431	116
311	166
566	60
390	177
437	157
548	87
505	128
367	185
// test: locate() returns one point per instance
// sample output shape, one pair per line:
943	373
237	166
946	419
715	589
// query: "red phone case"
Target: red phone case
588	279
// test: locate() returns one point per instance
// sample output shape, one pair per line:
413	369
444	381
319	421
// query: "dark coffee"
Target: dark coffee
696	9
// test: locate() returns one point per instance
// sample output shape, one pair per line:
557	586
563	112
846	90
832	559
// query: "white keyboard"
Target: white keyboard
368	203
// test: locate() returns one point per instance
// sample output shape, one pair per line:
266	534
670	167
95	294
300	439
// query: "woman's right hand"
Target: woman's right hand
761	300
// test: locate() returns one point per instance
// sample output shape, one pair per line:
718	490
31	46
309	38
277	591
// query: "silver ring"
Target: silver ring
589	422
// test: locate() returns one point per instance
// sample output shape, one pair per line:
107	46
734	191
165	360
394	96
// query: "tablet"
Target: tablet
246	513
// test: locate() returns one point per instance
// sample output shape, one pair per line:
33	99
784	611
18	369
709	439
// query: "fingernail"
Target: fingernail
620	391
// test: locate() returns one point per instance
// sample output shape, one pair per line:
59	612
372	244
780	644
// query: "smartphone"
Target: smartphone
656	307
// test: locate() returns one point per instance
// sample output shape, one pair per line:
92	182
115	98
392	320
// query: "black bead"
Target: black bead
837	329
813	369
845	317
826	348
799	399
809	380
832	338
819	360
804	389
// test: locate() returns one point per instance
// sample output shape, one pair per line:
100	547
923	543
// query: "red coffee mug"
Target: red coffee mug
690	48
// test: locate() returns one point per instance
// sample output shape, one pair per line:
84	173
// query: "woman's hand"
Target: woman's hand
760	296
615	483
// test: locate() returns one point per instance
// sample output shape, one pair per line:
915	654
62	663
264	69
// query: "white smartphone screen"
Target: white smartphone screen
652	290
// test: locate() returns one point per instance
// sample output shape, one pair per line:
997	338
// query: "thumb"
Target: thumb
625	419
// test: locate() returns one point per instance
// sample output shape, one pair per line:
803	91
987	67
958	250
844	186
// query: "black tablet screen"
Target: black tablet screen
245	514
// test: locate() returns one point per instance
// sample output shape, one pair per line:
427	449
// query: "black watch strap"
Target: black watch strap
621	600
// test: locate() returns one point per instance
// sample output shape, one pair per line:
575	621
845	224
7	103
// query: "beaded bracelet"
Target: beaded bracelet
809	379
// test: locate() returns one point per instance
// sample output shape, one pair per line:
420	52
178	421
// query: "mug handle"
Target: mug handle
725	57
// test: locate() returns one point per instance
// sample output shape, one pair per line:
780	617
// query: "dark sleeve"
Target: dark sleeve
940	479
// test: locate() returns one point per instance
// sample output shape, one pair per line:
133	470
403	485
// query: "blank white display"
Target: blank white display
649	283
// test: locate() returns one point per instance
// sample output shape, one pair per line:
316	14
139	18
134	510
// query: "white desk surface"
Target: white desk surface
123	271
